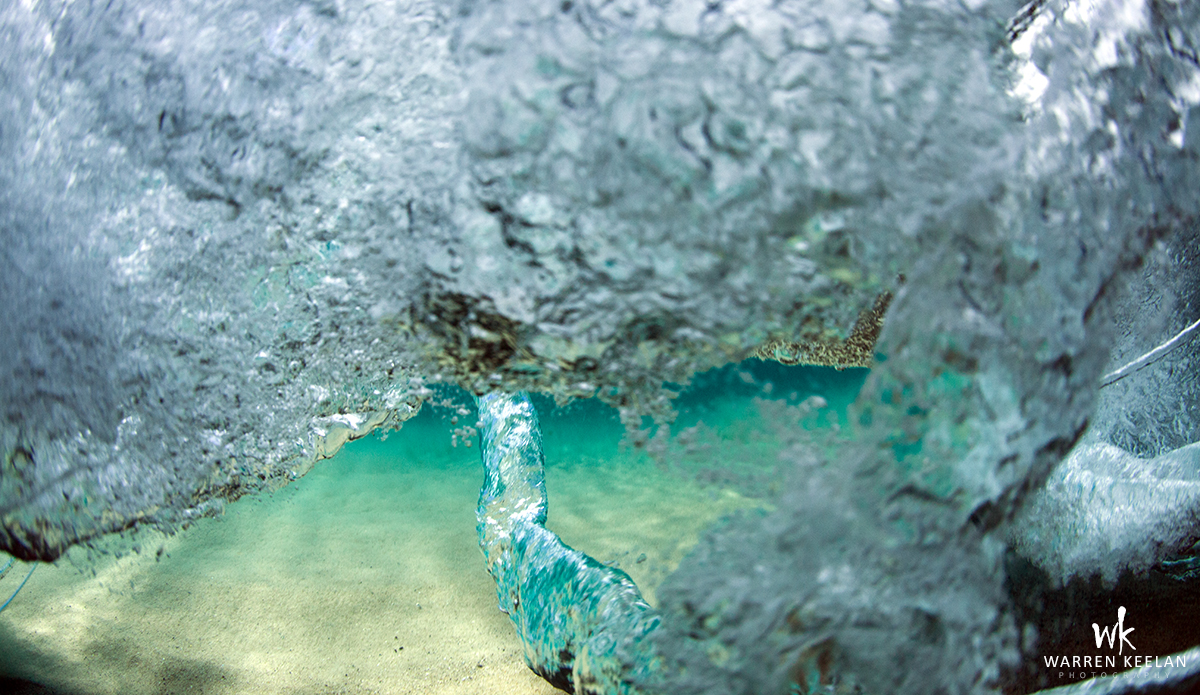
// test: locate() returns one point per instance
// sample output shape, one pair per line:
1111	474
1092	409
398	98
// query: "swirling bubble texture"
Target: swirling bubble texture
237	234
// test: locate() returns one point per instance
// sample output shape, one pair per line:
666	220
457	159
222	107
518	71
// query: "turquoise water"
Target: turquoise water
316	587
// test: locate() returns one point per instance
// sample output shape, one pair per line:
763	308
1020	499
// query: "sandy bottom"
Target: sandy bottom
363	577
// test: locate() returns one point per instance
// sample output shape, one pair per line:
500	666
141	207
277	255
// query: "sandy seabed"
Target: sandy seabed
362	577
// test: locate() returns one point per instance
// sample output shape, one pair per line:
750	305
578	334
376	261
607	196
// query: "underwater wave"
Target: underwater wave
236	236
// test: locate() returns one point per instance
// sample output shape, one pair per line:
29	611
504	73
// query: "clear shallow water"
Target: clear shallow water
315	588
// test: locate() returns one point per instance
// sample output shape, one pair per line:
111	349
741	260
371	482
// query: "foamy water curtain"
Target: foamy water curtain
235	235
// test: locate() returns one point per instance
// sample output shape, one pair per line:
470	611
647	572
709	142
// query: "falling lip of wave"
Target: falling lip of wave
584	626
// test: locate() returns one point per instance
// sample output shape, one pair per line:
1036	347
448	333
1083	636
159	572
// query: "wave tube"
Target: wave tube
233	236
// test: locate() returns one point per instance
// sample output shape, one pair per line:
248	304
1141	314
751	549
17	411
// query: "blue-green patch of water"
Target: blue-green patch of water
709	395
